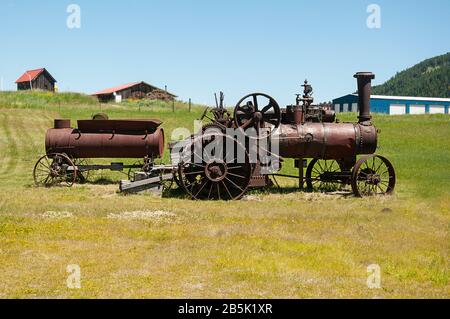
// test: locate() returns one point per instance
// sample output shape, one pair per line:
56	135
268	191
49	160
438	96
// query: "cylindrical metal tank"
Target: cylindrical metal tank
326	140
110	139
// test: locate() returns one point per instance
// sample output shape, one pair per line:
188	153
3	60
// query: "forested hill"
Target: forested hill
430	78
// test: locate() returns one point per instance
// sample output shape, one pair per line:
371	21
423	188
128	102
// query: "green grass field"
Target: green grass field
271	244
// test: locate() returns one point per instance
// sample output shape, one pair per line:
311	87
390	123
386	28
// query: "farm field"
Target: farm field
272	244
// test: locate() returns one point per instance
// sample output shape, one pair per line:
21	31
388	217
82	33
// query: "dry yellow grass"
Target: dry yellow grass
299	245
269	245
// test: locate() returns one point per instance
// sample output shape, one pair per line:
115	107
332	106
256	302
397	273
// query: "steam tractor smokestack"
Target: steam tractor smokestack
364	87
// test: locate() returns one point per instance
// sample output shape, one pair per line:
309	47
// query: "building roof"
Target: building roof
31	75
410	98
415	98
116	88
124	87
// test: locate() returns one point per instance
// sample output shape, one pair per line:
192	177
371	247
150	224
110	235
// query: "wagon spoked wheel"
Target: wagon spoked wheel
54	169
82	173
257	111
223	175
321	176
373	175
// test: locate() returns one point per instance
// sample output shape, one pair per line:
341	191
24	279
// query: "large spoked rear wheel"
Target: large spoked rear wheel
54	169
215	167
373	175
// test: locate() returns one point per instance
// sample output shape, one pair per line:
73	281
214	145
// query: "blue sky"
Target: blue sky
199	47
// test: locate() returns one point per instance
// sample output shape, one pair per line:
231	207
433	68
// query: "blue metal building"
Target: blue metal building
395	105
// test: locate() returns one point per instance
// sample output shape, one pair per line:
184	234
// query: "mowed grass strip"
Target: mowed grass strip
288	245
22	132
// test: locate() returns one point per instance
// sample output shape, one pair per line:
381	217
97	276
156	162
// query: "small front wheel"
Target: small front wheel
373	175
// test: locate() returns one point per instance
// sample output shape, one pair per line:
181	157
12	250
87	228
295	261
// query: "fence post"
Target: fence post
189	104
173	105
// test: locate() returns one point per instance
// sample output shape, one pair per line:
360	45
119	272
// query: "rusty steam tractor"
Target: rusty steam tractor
300	131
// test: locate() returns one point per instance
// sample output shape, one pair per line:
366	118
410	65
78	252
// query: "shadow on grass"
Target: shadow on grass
289	190
177	192
99	181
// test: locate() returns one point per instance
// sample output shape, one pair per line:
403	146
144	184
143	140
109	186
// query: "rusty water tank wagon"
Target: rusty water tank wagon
106	139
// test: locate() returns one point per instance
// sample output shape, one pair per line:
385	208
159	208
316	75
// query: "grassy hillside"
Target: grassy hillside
270	244
429	78
43	99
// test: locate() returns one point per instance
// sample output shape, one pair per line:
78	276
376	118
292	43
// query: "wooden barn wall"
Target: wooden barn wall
23	86
104	98
140	88
42	82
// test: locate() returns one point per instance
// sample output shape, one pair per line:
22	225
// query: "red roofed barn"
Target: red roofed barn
36	79
135	90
